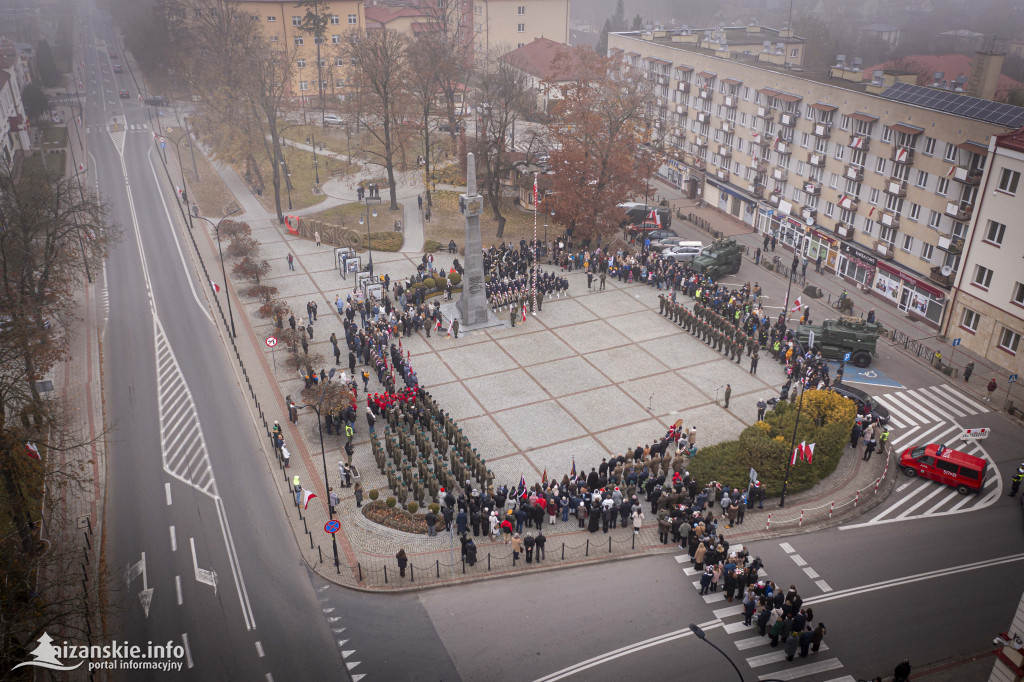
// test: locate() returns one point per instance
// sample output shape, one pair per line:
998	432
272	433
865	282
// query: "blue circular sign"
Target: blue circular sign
332	526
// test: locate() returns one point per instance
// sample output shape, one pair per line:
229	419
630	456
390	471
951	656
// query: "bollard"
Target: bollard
856	499
304	524
488	561
385	574
320	552
768	522
437	565
588	547
563	551
87	543
634	540
360	567
831	507
801	518
412	574
609	545
311	541
463	567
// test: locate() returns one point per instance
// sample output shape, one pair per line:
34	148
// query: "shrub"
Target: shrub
233	229
428	283
387	241
273	308
412	507
431	245
262	292
455	278
434	507
391	502
374	494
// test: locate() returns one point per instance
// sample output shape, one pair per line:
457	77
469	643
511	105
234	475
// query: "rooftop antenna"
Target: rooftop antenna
789	24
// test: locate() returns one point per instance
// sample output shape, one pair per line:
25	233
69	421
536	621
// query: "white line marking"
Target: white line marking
798	560
909	497
811	573
728	611
167	492
786	547
964	399
804	670
177	587
772	657
188	652
905	434
174	540
921	402
904	486
750	643
844	678
942	400
259	649
346	654
823	586
733	628
270	678
342	642
938	489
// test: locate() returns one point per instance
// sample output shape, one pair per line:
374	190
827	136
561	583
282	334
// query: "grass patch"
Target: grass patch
51	164
55	137
346	215
208	191
300	165
446	223
387	241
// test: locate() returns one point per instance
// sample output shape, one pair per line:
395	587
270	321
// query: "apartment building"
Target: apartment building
281	23
987	308
878	178
14	136
504	25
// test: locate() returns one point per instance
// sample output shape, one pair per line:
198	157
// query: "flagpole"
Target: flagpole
536	254
792	444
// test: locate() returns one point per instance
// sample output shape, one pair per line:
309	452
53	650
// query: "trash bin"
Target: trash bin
398	226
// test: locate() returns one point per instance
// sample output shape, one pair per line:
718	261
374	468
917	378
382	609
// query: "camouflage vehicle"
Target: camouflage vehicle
836	338
723	257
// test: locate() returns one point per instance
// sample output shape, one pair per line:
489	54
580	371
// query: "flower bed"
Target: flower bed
395	517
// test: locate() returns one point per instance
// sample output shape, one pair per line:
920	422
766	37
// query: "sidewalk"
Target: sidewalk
479	364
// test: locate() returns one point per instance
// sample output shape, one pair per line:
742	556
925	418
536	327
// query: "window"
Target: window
271	19
296	21
301	63
908	243
799	167
886	134
922	179
915	212
934	219
335	19
844	122
994	233
840	152
353	20
335	39
929	146
518	45
873	195
323	62
947	466
521	10
969	320
795	52
869	227
950	154
303	85
926	252
298	41
255	17
805	140
1018	293
880	165
829	208
833	180
272	38
339	61
1008	180
1009	340
339	82
521	28
982	276
942	186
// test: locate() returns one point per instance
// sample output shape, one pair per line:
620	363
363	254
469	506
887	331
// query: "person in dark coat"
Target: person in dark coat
595	518
403	561
528	543
471	552
448	513
806	638
792	643
540	540
461	522
855	435
474	520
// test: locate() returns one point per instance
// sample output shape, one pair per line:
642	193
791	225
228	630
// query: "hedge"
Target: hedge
825	420
387	241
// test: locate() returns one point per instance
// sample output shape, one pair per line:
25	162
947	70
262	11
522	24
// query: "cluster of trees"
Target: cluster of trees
53	235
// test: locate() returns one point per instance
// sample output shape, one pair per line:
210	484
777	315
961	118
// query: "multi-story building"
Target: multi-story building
987	304
504	25
281	23
879	179
13	122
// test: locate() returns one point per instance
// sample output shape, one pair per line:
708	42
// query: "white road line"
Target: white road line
798	560
713	597
259	649
728	611
733	628
811	573
188	652
921	402
167	491
270	678
844	678
903	435
786	547
177	587
923	438
174	541
750	643
963	399
944	501
907	498
938	489
773	657
895	423
896	403
823	586
806	670
944	401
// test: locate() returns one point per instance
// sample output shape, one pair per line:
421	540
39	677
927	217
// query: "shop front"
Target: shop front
821	244
730	200
674	173
778	223
911	294
855	266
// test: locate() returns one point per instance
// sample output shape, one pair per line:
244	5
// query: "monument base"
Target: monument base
451	309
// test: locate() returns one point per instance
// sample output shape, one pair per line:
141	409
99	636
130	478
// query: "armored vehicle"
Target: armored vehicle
723	257
836	338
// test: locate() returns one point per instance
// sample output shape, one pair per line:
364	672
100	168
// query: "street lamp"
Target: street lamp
181	168
223	272
323	453
369	243
696	629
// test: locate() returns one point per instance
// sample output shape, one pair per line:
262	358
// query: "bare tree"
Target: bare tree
425	73
314	23
451	42
380	61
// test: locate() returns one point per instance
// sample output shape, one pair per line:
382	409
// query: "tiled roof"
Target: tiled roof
541	58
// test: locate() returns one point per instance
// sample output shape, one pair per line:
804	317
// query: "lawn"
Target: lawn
55	163
447	223
364	146
300	165
55	137
209	192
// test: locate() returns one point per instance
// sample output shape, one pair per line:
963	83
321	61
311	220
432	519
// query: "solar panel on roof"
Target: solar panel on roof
997	113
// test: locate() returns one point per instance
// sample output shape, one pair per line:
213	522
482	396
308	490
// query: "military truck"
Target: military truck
836	338
723	257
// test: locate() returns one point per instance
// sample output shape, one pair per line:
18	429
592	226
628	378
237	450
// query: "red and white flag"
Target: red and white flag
792	459
32	450
807	451
901	155
653	217
307	495
450	324
534	189
857	143
796	305
951	170
871	212
215	286
524	312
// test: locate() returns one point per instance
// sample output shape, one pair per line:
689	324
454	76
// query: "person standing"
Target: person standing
753	363
991	388
869	446
819	634
902	671
332	500
540	540
403	561
1018	476
855	435
761	407
728	394
291	262
792	643
638	520
968	371
517	547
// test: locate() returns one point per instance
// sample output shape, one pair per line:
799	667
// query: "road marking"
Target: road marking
202	575
750	643
328	610
823	586
177	587
733	628
844	678
270	678
188	652
167	492
964	399
346	654
259	649
773	657
909	510
904	486
944	401
804	670
811	573
786	547
903	435
174	540
798	560
342	642
352	664
728	611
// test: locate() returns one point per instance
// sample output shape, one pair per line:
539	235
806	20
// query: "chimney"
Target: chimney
985	68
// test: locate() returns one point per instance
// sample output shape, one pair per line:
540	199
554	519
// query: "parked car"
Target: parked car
879	412
156	101
332	120
123	94
653	232
682	253
112	55
118	68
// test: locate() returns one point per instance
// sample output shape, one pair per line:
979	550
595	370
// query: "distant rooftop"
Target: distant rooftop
951	66
986	110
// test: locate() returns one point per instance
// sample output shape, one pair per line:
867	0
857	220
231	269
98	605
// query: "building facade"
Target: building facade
14	75
987	311
505	25
882	189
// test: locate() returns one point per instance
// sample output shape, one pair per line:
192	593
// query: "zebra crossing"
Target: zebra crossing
123	127
933	414
765	662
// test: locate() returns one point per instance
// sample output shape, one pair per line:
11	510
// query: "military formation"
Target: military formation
720	331
516	291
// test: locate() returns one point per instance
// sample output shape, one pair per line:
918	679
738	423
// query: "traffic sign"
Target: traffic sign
162	140
956	342
271	341
332	526
810	340
846	357
974	434
1013	378
163	145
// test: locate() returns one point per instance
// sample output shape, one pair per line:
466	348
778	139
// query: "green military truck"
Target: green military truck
836	338
723	257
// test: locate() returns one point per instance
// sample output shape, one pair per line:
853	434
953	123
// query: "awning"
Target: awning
656	60
632	54
861	116
973	147
821	106
786	97
732	81
742	196
912	280
706	74
906	129
768	92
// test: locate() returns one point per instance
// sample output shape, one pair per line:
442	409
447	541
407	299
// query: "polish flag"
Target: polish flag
807	451
857	143
792	459
653	217
32	450
871	212
449	326
796	305
844	201
307	495
524	312
215	286
901	155
951	170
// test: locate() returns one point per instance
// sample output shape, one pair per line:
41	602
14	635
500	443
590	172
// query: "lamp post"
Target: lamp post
181	168
223	271
369	243
323	453
191	150
696	629
312	138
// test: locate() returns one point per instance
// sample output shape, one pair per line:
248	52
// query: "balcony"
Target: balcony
728	127
849	203
700	141
705	93
774	198
844	231
662	80
759	165
812	188
816	159
722	175
902	155
780	174
661	103
823	130
730	101
884	249
809	214
855	173
681	109
699	164
951	244
766	113
861	142
784	148
756	190
787	119
942	280
896	187
959	210
725	151
684	87
968	176
702	117
889	219
760	140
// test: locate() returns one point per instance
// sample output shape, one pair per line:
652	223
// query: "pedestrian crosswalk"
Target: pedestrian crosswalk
928	405
130	127
765	662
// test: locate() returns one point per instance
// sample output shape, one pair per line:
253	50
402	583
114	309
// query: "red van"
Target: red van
938	463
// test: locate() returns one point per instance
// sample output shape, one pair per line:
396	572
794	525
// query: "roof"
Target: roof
1013	140
543	58
986	110
951	65
385	14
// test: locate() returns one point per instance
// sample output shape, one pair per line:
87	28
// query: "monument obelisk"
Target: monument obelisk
473	311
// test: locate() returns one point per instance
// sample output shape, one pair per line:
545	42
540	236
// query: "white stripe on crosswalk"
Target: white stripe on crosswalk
944	401
907	409
773	657
823	586
922	501
713	597
905	499
963	399
811	573
750	643
944	501
844	678
733	628
895	423
721	614
921	404
804	670
904	435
